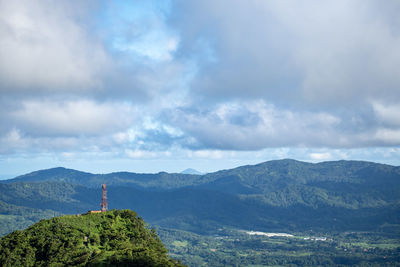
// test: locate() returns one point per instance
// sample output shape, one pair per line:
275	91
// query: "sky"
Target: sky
165	85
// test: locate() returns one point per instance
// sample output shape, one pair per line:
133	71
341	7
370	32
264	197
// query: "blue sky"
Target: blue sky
148	86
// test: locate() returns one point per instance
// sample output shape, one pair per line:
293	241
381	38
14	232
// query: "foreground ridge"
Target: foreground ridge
112	238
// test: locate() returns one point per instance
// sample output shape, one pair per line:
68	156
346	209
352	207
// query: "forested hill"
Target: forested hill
113	238
258	177
161	180
281	195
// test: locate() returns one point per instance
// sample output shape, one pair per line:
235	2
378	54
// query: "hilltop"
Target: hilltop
113	238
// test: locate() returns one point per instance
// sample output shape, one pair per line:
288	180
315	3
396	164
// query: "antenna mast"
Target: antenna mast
104	203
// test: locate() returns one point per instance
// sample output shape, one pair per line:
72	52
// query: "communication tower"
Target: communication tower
104	203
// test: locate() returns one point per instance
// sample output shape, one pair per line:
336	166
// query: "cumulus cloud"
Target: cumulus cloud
44	48
388	137
321	156
15	142
139	154
80	117
256	125
89	49
387	114
323	53
208	154
11	141
144	78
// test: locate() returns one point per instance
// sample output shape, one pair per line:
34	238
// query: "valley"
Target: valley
236	248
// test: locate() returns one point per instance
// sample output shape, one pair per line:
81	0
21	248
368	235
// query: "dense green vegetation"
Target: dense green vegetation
57	196
284	195
275	196
252	179
160	180
14	217
235	248
114	238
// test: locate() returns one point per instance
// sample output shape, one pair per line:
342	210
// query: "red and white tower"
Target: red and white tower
104	203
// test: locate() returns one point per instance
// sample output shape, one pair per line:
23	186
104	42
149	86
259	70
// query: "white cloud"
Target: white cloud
15	142
139	154
43	48
68	155
12	141
139	80
79	117
388	114
321	156
322	53
346	51
125	137
388	136
208	154
254	125
154	46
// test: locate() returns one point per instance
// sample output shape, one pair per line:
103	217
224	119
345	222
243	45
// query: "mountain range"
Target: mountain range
280	195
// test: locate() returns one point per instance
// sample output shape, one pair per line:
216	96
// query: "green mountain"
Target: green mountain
161	180
281	195
14	217
113	238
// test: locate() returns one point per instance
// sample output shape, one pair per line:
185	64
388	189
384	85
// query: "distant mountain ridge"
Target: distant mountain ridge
191	171
145	180
279	195
257	176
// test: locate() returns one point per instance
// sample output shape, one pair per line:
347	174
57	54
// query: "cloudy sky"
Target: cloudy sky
157	85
